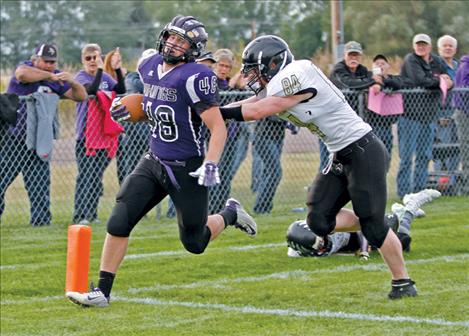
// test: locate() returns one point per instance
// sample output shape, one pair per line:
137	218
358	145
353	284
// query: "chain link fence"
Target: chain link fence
267	164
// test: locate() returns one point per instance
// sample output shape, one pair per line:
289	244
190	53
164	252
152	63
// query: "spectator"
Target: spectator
267	146
415	130
445	127
40	75
92	164
461	116
135	142
352	75
237	141
207	59
382	125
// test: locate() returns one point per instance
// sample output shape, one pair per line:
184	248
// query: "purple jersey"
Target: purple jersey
173	101
84	78
24	89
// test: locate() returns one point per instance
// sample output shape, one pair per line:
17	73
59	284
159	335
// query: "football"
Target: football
134	104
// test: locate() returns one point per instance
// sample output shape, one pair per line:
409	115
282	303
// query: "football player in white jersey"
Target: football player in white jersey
299	92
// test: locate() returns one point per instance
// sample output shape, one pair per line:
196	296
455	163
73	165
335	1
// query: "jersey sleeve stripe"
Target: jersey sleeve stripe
191	89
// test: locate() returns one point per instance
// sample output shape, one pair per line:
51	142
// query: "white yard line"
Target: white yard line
294	274
263	311
295	313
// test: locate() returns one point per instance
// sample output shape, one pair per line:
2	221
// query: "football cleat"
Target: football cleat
413	202
94	298
402	288
399	209
244	221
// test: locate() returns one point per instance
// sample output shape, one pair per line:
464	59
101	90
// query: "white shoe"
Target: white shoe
244	222
399	209
292	253
94	298
413	202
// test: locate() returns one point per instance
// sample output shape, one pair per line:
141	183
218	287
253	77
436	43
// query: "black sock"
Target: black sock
229	216
106	280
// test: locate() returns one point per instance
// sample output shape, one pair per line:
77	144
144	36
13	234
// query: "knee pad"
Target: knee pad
196	242
118	223
320	224
375	233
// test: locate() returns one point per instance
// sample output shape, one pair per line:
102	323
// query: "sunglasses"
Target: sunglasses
89	58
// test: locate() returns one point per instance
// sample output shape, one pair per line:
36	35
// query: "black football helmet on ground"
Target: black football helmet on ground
301	239
263	58
188	28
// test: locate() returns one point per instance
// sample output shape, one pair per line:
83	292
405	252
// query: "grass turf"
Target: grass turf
235	290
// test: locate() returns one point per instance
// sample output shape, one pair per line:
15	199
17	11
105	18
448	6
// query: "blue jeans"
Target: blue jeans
15	158
415	138
446	134
384	132
231	159
267	150
323	155
89	184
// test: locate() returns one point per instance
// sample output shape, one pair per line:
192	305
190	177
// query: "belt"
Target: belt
360	144
167	166
334	164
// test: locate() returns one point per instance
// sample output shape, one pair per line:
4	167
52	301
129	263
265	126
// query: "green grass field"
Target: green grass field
240	285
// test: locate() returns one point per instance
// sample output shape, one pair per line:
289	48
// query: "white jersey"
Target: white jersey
327	114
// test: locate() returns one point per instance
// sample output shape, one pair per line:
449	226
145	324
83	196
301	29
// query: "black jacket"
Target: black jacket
416	72
343	78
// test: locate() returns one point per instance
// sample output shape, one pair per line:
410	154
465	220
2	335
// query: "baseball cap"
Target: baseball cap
353	46
380	56
422	38
46	51
207	56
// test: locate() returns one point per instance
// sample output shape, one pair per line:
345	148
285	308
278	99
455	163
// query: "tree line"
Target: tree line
380	26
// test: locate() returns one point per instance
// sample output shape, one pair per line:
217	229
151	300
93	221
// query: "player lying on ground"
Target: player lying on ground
302	242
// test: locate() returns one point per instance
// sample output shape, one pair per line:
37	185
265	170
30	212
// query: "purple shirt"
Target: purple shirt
174	101
84	78
24	89
460	100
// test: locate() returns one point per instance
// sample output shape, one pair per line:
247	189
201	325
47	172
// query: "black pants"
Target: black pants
362	180
147	185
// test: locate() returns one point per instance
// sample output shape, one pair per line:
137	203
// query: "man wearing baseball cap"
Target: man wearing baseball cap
40	74
421	69
350	74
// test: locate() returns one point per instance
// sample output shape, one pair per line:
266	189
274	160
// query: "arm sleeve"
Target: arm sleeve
393	82
119	88
92	88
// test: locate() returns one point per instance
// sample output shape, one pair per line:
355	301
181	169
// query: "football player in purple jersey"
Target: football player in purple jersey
179	95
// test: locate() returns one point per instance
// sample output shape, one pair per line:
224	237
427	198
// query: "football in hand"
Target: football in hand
134	104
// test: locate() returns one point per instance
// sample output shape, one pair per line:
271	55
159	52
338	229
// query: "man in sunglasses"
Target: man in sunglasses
40	74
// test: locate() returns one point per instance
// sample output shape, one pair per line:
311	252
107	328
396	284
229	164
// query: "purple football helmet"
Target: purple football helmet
189	28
